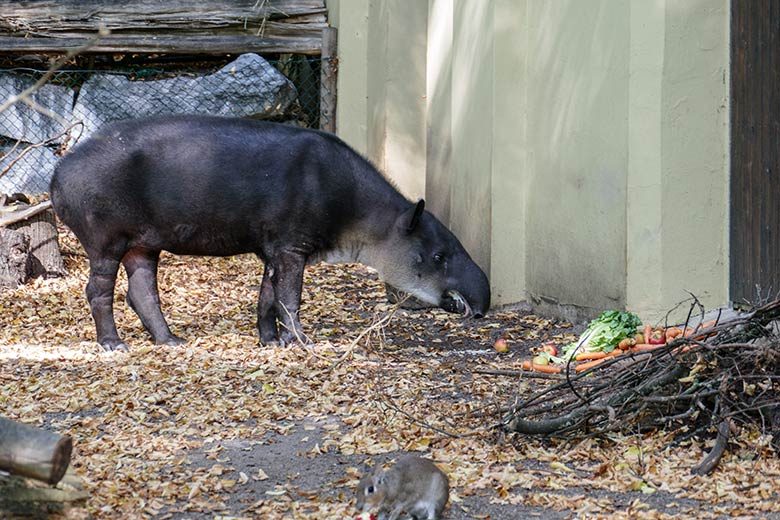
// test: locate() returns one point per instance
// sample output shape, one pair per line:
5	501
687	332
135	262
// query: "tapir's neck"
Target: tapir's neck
375	209
364	240
361	244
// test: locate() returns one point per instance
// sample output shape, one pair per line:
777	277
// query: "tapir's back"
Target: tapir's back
207	185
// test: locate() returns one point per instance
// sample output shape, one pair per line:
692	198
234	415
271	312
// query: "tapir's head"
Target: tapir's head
423	258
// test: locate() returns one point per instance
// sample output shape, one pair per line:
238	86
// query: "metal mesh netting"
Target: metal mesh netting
73	104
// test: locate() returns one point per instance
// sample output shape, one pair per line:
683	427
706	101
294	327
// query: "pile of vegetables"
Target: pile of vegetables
604	334
611	334
710	379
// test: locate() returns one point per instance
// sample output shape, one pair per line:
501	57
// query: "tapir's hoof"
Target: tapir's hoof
114	346
172	341
295	339
286	340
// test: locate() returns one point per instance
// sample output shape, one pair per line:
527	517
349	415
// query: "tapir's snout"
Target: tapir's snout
469	295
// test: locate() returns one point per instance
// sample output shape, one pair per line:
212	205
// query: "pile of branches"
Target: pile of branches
717	378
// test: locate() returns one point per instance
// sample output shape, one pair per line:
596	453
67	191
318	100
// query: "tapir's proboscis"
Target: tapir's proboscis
199	185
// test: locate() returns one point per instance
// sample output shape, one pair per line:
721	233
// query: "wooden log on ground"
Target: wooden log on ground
32	452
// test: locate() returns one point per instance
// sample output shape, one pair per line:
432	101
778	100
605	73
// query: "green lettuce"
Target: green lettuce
604	333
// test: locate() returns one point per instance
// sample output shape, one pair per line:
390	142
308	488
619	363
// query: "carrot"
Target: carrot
590	364
648	330
644	347
549	369
683	349
627	343
706	325
585	356
673	332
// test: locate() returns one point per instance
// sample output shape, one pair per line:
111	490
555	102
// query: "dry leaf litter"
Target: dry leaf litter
223	428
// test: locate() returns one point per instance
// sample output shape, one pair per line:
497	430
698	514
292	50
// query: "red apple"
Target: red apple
500	345
550	348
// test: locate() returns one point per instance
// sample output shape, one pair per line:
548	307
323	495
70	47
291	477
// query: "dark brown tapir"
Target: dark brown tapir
198	185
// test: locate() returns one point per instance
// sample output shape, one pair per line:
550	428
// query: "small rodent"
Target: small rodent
414	485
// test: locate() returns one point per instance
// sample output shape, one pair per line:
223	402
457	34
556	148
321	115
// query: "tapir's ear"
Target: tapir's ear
411	217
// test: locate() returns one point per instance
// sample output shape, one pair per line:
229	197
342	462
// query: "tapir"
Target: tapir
202	185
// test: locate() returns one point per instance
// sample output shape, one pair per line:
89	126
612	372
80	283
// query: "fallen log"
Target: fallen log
32	452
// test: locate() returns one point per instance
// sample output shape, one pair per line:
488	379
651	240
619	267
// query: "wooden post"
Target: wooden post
328	77
15	265
29	245
32	452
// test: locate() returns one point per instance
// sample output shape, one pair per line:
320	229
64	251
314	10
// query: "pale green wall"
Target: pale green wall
577	147
510	183
382	85
677	209
351	18
471	165
439	108
577	119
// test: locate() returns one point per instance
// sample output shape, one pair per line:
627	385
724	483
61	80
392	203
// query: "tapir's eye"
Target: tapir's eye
438	258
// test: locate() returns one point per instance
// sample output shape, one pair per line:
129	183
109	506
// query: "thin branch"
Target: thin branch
65	132
22	215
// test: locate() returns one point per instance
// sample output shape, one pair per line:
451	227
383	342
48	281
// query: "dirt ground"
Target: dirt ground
222	428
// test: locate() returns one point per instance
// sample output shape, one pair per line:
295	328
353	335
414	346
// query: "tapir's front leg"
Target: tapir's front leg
287	279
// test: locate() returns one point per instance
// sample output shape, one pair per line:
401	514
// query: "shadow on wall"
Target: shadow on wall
439	113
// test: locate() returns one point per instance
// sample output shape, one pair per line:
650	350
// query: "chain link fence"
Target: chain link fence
74	103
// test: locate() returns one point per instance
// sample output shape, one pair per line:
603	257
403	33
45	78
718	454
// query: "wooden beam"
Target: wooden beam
163	45
171	27
44	15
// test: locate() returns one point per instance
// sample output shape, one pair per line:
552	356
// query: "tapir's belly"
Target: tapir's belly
205	240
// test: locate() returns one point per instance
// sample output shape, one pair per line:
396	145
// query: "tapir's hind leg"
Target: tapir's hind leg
143	296
266	313
100	294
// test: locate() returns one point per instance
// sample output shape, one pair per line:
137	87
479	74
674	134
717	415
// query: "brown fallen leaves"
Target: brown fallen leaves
152	428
